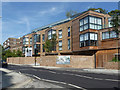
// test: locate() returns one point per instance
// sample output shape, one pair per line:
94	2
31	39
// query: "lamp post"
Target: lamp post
36	52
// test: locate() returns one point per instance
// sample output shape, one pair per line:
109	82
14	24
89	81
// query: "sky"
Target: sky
20	18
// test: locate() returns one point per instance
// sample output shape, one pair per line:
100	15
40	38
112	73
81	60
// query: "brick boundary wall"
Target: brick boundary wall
112	65
75	61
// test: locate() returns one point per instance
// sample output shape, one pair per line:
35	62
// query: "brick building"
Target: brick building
13	44
88	33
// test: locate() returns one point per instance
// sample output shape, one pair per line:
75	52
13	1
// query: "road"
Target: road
69	79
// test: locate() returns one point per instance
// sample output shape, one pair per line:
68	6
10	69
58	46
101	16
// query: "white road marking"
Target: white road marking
77	86
52	72
91	77
19	72
112	80
58	82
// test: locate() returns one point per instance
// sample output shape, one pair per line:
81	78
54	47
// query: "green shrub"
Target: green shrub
115	60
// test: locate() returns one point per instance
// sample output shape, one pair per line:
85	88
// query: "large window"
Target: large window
107	35
84	24
68	44
88	39
36	38
50	33
25	40
31	40
68	31
60	45
90	22
95	23
60	33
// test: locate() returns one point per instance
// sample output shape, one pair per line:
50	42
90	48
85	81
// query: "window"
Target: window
25	40
107	35
36	38
60	33
90	22
109	22
31	40
95	23
68	44
60	45
88	39
43	49
84	24
68	31
50	33
43	37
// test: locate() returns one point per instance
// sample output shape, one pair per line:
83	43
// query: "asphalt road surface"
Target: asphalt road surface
70	79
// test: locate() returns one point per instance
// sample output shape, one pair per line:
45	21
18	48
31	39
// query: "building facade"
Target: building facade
88	33
13	44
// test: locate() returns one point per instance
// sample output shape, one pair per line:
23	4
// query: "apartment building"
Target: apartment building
87	33
27	44
13	44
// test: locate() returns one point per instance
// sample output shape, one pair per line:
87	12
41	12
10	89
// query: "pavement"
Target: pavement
98	71
11	79
69	77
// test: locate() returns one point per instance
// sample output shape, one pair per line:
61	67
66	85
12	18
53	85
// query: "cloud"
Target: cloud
51	11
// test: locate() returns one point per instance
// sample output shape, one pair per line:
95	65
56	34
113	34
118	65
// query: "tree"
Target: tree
114	12
19	53
70	13
50	45
115	22
100	9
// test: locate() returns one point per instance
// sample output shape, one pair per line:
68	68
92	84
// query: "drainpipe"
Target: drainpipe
95	60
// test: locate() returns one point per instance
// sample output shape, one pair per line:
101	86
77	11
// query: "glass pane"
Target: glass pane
96	26
60	43
81	37
86	20
69	29
60	31
81	22
91	19
96	21
60	36
103	35
86	36
92	26
53	32
99	21
106	35
85	27
95	36
92	37
81	28
99	27
60	48
113	34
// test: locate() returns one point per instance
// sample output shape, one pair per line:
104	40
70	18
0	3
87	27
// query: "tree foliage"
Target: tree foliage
100	9
50	45
114	12
8	53
70	13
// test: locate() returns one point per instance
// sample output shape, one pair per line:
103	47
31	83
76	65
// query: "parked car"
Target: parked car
4	64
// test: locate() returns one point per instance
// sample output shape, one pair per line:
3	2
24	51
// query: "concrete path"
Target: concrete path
11	79
99	71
